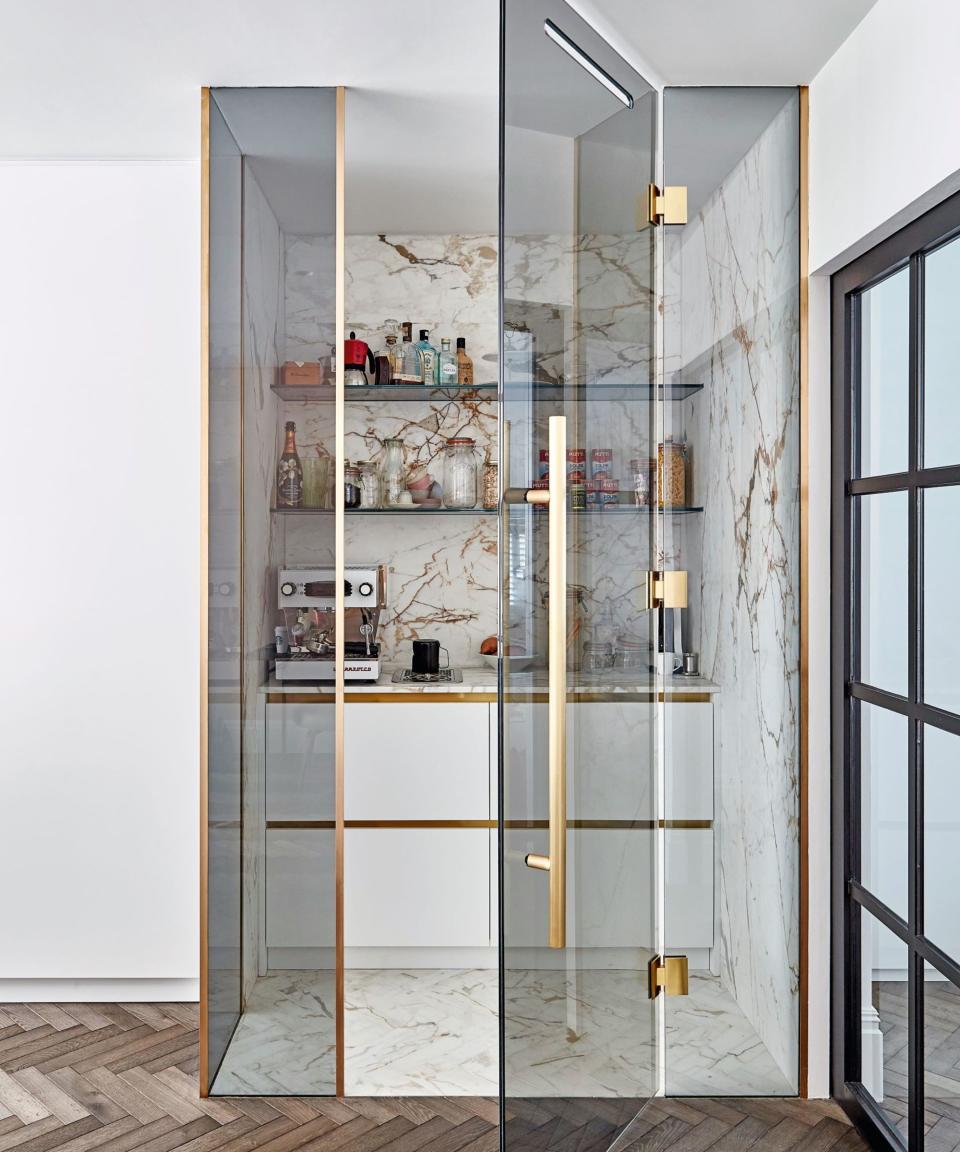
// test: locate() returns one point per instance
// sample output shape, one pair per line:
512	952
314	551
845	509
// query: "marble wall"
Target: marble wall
442	571
736	276
262	343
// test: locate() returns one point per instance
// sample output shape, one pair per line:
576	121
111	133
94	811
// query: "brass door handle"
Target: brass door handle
555	862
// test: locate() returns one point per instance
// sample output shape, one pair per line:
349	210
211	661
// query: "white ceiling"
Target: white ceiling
729	41
119	78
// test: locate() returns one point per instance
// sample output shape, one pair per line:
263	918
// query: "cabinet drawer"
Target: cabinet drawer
689	888
417	762
417	888
300	762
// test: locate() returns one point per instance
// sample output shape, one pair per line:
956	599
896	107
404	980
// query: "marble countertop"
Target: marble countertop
482	682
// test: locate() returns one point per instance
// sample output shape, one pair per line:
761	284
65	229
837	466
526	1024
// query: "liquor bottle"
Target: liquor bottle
464	363
385	361
446	365
428	358
290	472
410	371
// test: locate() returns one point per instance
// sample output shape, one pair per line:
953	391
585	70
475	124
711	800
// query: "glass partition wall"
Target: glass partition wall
546	844
271	892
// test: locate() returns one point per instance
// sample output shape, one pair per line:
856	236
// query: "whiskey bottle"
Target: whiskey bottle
464	363
290	472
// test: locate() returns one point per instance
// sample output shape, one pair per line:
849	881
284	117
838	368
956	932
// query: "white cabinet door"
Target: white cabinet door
417	887
301	888
417	762
689	761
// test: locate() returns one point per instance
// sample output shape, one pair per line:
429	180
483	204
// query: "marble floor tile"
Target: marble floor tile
433	1032
423	1032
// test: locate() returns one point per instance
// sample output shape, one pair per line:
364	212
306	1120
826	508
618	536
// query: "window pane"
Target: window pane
941	1062
941	840
941	347
884	375
883	591
883	796
883	1019
941	607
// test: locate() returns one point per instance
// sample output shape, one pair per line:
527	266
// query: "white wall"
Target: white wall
99	475
884	129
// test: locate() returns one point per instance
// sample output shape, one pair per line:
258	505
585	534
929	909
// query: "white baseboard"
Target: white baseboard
103	991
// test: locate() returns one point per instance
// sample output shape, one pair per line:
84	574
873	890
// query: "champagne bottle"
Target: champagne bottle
290	472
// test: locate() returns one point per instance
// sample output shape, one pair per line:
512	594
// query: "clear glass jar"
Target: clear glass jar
393	473
369	484
351	486
460	473
597	656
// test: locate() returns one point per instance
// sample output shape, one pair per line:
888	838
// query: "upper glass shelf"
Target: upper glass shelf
544	393
409	509
324	393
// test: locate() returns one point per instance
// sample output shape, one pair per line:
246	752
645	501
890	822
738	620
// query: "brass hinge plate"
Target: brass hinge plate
664	590
666	207
669	973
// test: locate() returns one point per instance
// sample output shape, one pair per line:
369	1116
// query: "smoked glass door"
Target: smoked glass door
579	701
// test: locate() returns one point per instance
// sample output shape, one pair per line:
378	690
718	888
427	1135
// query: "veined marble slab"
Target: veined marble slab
431	1032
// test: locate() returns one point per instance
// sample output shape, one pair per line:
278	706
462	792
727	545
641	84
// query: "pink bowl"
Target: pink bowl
422	484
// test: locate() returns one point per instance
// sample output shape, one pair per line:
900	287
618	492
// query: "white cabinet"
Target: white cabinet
436	887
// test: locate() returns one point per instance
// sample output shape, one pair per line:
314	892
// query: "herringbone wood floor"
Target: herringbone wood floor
122	1077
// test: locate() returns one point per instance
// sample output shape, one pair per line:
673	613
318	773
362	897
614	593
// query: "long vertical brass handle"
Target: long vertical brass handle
557	681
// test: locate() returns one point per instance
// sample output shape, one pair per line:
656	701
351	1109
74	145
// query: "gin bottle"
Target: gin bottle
428	358
446	366
410	371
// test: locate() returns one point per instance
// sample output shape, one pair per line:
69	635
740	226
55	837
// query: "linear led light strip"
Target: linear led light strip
591	66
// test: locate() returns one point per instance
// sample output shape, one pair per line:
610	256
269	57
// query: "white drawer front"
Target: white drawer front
417	762
689	761
300	762
418	887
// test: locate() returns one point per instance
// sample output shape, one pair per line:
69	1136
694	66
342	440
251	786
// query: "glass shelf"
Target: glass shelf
641	393
409	510
609	510
547	393
405	393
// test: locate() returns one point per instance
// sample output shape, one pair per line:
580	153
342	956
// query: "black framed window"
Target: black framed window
896	685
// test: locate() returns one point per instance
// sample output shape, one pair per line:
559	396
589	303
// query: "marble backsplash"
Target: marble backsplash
442	570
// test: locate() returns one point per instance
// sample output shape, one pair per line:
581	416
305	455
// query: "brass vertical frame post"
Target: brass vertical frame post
338	543
204	1069
804	310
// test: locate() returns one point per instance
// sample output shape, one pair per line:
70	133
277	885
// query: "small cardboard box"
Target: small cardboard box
302	374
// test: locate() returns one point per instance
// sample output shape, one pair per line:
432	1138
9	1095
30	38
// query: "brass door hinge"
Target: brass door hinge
665	590
669	973
666	207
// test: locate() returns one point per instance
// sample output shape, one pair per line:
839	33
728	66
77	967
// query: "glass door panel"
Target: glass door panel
222	998
273	446
579	702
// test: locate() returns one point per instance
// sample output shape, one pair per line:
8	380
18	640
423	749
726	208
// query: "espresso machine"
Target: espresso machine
307	599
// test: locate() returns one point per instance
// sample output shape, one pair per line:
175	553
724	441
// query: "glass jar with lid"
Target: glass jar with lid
597	655
460	473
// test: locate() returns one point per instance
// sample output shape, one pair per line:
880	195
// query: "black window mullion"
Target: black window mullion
914	812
